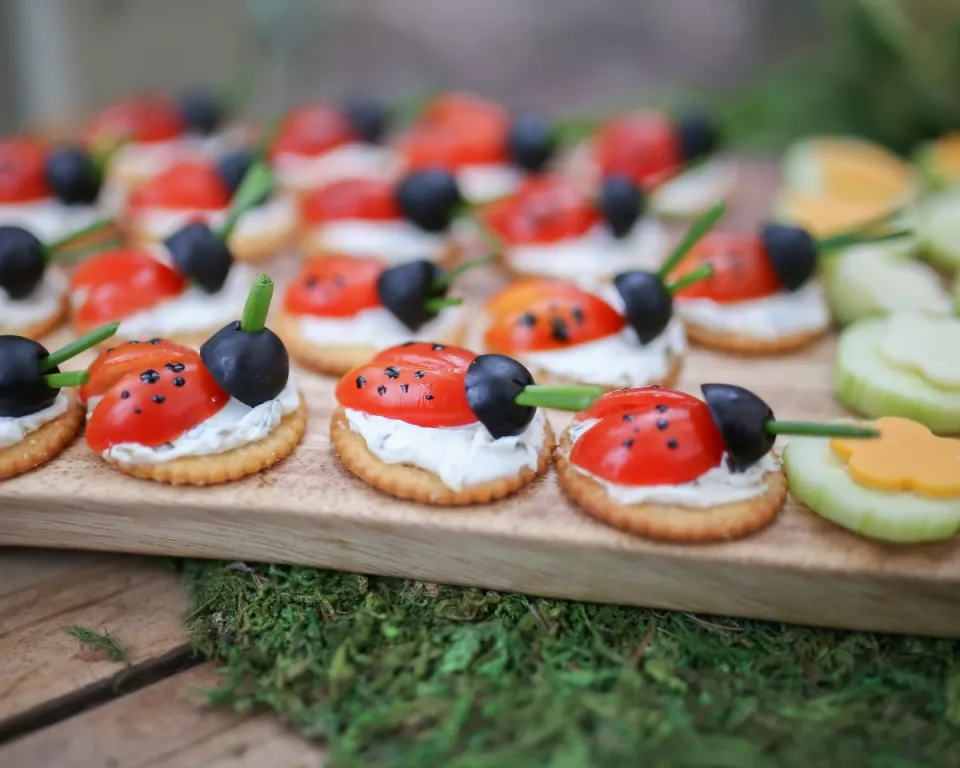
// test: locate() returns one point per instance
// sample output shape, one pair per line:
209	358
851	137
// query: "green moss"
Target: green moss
99	642
400	673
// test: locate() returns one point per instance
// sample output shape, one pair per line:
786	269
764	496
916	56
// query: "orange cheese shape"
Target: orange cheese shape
906	457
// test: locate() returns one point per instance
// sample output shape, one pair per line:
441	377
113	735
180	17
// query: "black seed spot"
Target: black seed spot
628	443
360	382
179	381
175	367
654	386
133	342
408	344
436	347
124	394
391	372
419	375
559	330
154	341
578	316
158	399
137	411
310	282
109	350
662	408
672	443
662	424
381	390
404	388
628	417
528	320
150	377
428	397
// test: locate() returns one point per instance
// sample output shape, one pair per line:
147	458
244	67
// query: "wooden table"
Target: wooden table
66	706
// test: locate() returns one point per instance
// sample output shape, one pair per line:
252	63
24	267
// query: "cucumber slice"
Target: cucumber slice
879	278
694	191
820	480
927	345
867	383
938	229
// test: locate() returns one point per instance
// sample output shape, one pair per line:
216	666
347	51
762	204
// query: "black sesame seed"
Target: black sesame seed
662	408
428	397
179	381
158	399
150	377
436	347
109	350
654	386
391	372
408	344
528	320
154	341
310	282
137	411
559	330
133	341
124	394
404	388
360	382
663	424
578	316
628	443
419	375
175	367
628	417
381	390
672	443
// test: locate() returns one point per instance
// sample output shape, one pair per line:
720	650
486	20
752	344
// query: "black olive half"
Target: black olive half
73	176
430	199
202	112
492	384
233	167
792	252
23	260
622	203
698	137
369	118
22	390
742	419
648	303
200	254
531	142
253	366
405	289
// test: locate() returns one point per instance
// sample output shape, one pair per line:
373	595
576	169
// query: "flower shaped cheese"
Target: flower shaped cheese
906	457
927	345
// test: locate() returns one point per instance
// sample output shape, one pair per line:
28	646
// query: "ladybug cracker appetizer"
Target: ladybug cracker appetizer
340	311
316	144
624	336
674	161
761	298
38	419
669	466
549	228
162	412
34	296
200	191
184	289
444	426
393	221
49	190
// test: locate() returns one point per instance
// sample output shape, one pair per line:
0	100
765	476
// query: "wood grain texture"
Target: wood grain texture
163	726
309	510
42	593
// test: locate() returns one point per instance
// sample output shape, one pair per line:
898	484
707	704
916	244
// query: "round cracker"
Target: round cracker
42	327
337	360
738	344
670	522
218	468
415	484
42	444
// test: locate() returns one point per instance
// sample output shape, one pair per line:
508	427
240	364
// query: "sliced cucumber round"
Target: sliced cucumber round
938	229
820	480
867	383
879	278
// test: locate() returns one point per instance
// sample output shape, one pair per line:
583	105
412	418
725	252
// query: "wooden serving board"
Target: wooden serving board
309	510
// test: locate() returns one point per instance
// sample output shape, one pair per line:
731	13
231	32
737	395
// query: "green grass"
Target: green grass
99	642
399	673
